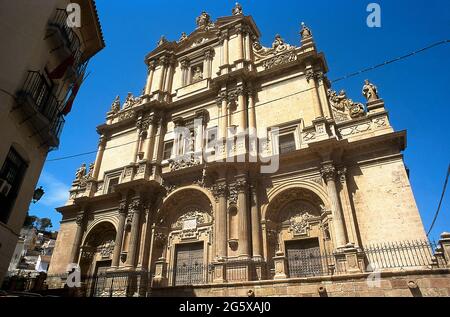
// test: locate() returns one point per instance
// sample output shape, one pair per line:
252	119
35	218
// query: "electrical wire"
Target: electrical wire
440	201
367	69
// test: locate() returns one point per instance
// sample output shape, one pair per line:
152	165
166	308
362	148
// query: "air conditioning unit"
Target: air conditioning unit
5	187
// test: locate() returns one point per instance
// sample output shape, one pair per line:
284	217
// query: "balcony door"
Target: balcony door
304	258
189	268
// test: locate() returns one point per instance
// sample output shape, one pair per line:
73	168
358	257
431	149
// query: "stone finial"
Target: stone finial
237	10
305	32
370	91
162	40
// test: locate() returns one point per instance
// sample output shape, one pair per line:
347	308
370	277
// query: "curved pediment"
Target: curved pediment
197	38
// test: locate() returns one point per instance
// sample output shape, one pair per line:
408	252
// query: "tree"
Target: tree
30	221
45	223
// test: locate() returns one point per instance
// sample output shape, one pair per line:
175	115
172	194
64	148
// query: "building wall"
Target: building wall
349	168
23	29
389	285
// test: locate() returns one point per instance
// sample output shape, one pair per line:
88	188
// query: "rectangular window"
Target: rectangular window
211	138
167	152
112	182
286	143
11	176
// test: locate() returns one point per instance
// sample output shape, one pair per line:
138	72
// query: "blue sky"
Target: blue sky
415	90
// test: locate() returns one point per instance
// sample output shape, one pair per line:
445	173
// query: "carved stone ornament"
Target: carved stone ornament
219	190
233	194
187	220
278	47
115	106
280	60
131	101
122	207
91	171
328	172
343	107
81	172
183	37
183	161
106	249
204	21
135	205
79	220
299	223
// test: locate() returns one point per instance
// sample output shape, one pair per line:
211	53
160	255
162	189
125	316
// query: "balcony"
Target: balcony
65	42
40	108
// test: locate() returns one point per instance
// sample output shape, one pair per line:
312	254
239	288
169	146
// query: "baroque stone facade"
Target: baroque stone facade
200	207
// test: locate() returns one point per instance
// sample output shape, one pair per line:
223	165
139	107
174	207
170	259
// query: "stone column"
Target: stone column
151	138
349	216
169	76
256	223
99	158
240	48
207	64
184	71
248	45
151	72
225	53
220	190
223	102
163	63
135	209
242	109
322	91
243	235
119	235
137	144
328	172
159	139
311	78
80	221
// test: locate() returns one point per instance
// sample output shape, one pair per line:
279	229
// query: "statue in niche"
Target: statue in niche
370	91
198	74
81	172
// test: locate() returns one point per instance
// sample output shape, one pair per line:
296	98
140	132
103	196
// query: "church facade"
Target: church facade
239	163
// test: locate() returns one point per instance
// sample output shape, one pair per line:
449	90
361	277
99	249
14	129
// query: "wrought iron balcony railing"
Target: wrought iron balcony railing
71	39
36	96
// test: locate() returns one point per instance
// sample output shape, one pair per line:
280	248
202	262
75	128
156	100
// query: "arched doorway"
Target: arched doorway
97	248
183	238
297	226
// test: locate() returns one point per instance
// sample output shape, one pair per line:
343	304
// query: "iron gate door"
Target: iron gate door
189	264
304	258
